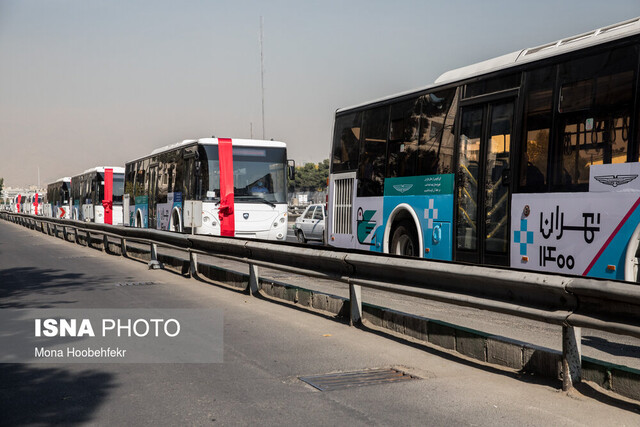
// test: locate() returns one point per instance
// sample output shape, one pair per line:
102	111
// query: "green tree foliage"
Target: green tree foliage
311	177
1	184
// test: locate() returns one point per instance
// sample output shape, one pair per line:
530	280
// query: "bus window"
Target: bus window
118	188
403	138
596	101
163	178
179	185
488	86
129	174
373	152
346	142
139	185
436	133
534	155
469	161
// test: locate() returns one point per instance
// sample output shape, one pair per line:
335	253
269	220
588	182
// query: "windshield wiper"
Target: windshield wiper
259	199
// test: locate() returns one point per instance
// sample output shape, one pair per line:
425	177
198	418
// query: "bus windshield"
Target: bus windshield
258	174
118	188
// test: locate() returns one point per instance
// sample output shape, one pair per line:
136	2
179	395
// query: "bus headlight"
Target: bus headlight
206	219
275	224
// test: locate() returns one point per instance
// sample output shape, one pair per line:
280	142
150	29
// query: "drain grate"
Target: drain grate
135	284
356	379
75	257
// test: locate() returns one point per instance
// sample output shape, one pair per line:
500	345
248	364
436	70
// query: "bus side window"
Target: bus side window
129	178
436	133
403	138
346	142
594	111
534	154
373	151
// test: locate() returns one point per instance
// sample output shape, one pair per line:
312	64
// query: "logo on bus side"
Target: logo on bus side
402	188
245	215
523	237
365	226
615	180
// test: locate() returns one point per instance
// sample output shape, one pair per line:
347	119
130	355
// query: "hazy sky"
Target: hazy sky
99	82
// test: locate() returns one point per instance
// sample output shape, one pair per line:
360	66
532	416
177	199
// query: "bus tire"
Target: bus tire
404	240
176	224
138	220
631	257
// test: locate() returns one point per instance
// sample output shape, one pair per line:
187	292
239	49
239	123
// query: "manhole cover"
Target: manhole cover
135	284
356	379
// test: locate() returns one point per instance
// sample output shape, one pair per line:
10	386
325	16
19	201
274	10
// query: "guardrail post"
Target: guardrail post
65	235
254	279
123	247
105	244
571	357
193	264
154	264
355	300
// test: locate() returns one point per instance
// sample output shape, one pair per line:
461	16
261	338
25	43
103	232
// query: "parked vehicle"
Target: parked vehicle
310	225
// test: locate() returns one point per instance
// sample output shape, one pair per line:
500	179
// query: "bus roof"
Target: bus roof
592	38
580	41
214	141
116	169
65	179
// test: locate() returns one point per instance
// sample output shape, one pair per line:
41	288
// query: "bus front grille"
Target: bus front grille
342	206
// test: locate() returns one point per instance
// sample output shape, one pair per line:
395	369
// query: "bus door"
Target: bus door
153	195
482	183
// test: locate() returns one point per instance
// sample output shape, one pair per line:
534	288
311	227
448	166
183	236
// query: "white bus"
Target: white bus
58	199
528	160
96	195
33	203
241	184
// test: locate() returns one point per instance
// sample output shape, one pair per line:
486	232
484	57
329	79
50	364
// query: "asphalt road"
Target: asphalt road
267	347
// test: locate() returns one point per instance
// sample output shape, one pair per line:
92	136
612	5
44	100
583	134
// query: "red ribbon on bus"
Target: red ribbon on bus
18	204
35	204
225	213
107	203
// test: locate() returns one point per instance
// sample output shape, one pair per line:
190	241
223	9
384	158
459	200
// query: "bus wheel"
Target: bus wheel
631	257
175	222
138	221
404	240
300	236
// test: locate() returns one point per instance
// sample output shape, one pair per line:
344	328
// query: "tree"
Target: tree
311	177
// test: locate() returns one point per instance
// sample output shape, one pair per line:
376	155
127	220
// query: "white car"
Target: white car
310	225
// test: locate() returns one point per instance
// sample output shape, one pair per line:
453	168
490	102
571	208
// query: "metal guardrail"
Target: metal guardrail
570	301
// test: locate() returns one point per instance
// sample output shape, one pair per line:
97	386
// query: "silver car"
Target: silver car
310	225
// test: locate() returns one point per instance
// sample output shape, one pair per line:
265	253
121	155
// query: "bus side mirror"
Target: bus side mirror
292	169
